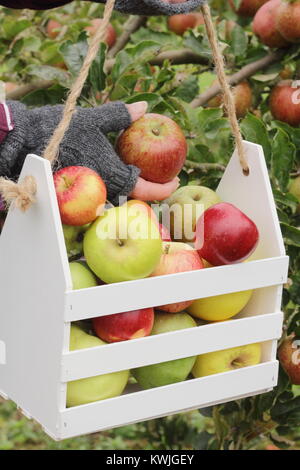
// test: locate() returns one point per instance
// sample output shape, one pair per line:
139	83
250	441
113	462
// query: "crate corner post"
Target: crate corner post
34	276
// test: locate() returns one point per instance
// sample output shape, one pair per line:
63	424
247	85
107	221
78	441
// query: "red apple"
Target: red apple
156	145
247	7
53	29
285	103
289	357
225	235
81	194
177	258
288	20
242	93
124	326
179	24
164	233
111	35
264	25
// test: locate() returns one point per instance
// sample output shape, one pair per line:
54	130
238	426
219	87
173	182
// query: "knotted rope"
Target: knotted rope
22	194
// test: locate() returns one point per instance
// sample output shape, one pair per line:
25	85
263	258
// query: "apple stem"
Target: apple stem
120	243
156	131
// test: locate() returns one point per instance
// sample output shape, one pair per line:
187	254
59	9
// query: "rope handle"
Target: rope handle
22	194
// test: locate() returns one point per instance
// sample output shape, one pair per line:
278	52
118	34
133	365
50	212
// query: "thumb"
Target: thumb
137	110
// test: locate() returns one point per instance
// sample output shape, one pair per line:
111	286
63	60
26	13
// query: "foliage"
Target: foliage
28	55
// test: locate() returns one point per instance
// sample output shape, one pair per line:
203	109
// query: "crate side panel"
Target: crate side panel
140	406
164	347
161	290
253	195
33	278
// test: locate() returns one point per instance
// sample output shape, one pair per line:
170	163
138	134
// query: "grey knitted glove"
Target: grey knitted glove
156	7
84	143
136	7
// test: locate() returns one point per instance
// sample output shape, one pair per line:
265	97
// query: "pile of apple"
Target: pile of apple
127	243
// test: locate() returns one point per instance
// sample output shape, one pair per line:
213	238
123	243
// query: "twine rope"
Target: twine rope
225	87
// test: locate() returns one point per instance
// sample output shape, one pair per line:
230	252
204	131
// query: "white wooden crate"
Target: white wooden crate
38	306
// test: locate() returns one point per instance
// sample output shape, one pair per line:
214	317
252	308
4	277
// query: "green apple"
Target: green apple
101	387
189	202
294	188
165	373
82	276
123	244
74	240
227	360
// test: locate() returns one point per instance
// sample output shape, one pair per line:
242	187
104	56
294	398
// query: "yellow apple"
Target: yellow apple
227	360
80	392
220	307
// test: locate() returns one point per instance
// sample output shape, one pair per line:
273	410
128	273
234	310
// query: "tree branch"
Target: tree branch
203	166
23	90
241	75
130	27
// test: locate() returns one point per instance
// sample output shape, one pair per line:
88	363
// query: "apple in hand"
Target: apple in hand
156	145
111	35
285	103
124	326
225	235
289	357
186	205
74	239
177	258
227	360
81	194
220	307
179	24
101	387
122	245
165	373
81	275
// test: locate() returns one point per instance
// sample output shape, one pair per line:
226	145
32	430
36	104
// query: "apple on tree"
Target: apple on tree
246	7
156	145
122	245
288	20
165	373
177	258
264	25
124	326
186	205
81	194
285	103
227	360
225	235
243	97
179	24
289	357
111	35
101	387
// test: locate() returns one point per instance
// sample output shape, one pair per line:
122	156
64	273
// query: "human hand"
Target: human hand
147	191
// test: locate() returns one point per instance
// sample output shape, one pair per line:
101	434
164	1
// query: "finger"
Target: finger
137	110
147	191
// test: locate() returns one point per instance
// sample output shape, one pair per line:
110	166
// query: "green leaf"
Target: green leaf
254	130
74	53
283	155
290	234
239	41
46	72
188	89
97	76
12	28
